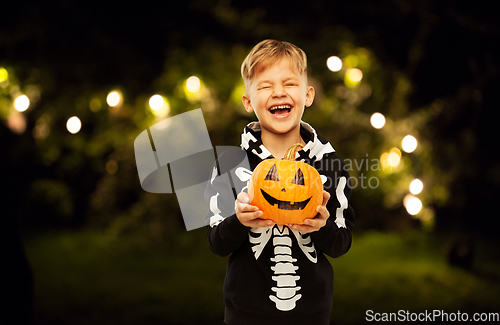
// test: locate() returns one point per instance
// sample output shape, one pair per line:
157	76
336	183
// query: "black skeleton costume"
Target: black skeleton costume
276	275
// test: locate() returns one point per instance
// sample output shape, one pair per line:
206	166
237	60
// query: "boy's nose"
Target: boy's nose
279	91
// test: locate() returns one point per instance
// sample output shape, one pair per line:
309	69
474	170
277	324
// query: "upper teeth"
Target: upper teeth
280	107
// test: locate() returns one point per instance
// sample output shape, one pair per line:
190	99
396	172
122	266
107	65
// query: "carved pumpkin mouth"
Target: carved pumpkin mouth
285	205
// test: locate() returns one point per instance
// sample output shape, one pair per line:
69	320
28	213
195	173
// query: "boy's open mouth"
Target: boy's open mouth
280	109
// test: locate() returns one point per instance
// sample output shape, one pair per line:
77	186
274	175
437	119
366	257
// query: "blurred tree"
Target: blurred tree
430	68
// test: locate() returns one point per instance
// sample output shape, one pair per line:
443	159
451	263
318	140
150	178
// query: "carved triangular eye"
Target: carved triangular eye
272	175
299	178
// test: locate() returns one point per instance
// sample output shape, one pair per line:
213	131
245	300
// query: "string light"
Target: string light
156	102
377	120
394	157
73	125
21	103
193	84
409	143
159	105
4	75
355	74
334	63
412	204
114	98
416	186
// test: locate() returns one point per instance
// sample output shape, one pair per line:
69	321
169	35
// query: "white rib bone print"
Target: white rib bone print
285	275
306	245
259	237
284	270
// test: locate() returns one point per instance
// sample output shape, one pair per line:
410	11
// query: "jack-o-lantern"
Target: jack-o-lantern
285	190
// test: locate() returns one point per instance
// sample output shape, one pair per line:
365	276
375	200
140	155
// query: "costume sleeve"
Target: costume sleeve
225	231
335	238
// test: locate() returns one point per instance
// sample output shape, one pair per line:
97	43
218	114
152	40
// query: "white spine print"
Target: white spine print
284	270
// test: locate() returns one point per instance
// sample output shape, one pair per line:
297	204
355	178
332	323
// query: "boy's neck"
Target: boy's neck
278	143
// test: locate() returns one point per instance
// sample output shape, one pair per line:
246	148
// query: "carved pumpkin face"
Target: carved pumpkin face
287	191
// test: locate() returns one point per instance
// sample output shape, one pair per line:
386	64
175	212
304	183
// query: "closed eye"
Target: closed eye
298	178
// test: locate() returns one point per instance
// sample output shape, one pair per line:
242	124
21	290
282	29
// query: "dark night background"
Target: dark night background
434	65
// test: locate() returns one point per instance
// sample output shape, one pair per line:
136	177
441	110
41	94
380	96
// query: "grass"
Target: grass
391	272
81	278
89	278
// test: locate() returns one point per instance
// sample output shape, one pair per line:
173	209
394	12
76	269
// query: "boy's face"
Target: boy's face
278	95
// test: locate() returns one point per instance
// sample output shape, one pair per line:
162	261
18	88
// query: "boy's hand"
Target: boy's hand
318	221
249	215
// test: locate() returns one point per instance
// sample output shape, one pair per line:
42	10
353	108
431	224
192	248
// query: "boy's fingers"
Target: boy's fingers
242	207
261	223
304	228
247	209
253	219
323	212
316	222
313	224
255	215
309	226
243	197
326	197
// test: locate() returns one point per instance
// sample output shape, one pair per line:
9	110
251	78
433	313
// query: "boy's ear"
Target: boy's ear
247	103
310	96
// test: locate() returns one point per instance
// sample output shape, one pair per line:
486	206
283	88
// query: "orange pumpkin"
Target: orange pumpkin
287	191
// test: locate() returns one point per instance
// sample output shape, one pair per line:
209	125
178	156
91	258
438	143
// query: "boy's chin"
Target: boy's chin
283	128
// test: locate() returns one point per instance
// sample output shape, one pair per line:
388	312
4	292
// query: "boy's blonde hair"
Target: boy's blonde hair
268	52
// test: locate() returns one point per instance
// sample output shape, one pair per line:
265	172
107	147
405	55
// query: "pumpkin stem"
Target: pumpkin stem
292	151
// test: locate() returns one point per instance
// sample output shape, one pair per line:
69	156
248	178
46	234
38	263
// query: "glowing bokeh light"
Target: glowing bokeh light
416	186
394	157
16	122
41	131
114	98
409	143
4	75
193	84
391	159
377	120
351	61
156	102
384	159
406	198
355	74
159	105
73	125
412	204
112	166
21	103
334	63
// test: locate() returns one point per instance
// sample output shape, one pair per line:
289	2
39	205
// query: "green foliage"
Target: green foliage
97	164
341	113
